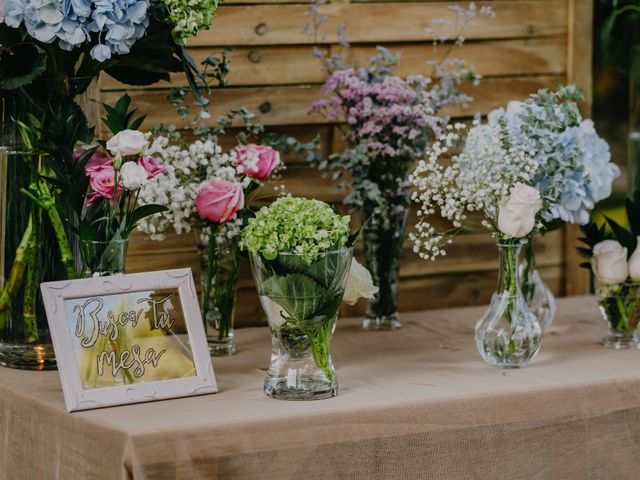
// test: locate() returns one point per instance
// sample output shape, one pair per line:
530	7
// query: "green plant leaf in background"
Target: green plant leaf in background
21	65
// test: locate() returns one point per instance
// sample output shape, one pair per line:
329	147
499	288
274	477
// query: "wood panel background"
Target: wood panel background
530	44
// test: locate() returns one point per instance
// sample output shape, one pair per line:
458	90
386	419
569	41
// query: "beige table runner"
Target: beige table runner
414	403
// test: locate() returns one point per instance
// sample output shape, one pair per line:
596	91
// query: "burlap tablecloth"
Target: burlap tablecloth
415	403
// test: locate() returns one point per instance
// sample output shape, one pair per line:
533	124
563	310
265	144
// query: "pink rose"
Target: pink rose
218	201
152	167
258	160
102	183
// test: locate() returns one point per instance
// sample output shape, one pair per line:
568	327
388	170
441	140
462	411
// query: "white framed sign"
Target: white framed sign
128	338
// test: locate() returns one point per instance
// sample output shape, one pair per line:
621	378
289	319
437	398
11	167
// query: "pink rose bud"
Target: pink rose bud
101	182
258	160
218	201
98	161
152	167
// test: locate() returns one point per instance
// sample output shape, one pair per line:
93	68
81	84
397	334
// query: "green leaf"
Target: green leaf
143	212
328	270
299	295
633	216
622	235
26	62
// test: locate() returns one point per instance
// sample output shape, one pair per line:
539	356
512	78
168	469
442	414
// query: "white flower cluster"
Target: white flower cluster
187	168
476	179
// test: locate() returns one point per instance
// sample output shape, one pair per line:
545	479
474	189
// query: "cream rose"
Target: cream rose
517	214
127	143
359	284
634	263
133	175
609	262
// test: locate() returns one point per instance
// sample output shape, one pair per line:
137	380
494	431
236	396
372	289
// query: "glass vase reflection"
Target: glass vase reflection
509	334
620	308
219	268
383	240
535	291
301	300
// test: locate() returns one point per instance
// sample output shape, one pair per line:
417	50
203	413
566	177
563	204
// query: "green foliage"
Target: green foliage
296	225
120	118
21	64
612	230
620	32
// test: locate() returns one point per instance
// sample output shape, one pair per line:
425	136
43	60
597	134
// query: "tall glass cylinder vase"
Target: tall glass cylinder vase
219	269
509	334
301	300
28	256
634	121
536	292
383	237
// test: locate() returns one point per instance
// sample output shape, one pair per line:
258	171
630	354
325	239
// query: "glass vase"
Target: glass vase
509	334
301	298
536	293
383	240
103	258
620	308
28	256
219	268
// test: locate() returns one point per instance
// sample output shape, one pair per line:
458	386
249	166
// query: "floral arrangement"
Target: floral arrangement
613	256
115	176
302	257
529	167
107	28
205	185
388	120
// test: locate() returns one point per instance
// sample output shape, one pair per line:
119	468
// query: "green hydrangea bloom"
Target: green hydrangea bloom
190	16
295	225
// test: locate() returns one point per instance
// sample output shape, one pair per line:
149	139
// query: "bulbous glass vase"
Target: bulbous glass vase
535	291
301	301
509	334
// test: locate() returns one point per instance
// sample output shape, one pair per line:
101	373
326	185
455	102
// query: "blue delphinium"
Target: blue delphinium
575	168
117	24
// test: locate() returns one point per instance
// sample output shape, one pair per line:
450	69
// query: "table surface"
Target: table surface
414	403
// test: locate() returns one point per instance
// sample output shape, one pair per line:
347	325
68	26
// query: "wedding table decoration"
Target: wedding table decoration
524	176
301	256
50	56
613	255
387	122
212	193
575	172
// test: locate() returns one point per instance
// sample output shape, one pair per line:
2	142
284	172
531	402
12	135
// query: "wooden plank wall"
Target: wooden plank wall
528	45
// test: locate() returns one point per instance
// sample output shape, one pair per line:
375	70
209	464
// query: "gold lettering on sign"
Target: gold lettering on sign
128	360
93	322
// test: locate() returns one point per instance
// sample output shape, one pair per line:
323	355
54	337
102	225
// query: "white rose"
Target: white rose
634	263
517	214
359	284
133	175
609	262
127	143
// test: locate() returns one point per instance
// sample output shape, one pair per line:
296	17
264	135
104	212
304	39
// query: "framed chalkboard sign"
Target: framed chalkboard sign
128	338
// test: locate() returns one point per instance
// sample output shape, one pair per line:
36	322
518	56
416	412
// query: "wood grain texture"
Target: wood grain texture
530	44
377	23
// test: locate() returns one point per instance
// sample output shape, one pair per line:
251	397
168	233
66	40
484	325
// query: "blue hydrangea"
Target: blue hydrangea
116	24
576	170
